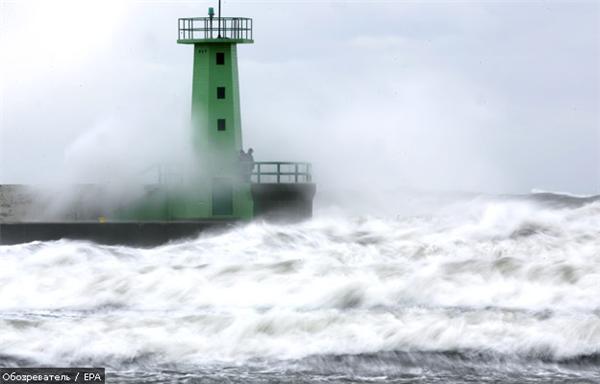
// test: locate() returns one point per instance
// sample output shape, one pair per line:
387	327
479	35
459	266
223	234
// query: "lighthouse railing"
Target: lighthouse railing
281	172
208	28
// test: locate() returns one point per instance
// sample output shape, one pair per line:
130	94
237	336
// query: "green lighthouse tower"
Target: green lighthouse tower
220	191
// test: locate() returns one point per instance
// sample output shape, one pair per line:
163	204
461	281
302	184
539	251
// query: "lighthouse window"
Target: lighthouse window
220	92
220	124
220	58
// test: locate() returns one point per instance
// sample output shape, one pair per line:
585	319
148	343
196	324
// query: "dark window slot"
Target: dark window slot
221	124
220	58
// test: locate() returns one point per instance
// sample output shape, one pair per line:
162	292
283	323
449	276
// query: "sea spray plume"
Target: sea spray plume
113	165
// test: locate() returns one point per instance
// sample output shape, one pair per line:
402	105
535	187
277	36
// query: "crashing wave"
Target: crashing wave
499	277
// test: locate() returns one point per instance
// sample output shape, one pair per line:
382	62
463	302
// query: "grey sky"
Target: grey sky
480	96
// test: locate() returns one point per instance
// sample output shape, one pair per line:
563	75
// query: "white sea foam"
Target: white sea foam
511	277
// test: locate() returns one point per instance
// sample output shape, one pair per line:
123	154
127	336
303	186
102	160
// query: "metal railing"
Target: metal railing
205	28
281	172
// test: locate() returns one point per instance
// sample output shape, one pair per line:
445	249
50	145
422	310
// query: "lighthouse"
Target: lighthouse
216	120
276	188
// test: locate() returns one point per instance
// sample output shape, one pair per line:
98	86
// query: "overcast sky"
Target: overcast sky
477	95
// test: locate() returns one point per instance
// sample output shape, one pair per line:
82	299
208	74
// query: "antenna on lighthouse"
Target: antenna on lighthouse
219	35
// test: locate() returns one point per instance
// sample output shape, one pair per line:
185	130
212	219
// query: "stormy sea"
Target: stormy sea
482	289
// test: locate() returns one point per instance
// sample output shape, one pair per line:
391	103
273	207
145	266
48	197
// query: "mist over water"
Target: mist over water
482	288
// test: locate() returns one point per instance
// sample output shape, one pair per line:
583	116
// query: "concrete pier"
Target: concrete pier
29	213
283	202
144	234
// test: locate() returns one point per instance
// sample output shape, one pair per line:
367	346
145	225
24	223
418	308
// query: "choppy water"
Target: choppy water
484	290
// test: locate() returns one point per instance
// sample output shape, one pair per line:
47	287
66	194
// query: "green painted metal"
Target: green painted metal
215	41
217	131
216	124
196	30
